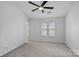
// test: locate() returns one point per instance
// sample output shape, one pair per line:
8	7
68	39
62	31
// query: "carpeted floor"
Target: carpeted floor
41	49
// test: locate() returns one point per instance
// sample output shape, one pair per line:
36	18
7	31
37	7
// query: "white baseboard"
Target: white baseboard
11	48
76	51
45	41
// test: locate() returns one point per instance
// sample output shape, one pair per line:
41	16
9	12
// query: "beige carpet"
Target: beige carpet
41	49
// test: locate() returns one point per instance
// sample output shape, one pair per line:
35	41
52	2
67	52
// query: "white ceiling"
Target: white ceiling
60	9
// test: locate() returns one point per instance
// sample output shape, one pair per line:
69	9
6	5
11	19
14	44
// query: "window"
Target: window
48	29
44	29
51	29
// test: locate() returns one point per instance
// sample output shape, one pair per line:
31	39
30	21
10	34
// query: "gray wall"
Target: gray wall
35	29
72	28
11	27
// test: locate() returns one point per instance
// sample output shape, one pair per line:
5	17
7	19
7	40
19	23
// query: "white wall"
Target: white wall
35	29
72	28
11	27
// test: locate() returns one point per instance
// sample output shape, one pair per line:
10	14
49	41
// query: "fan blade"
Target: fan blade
35	9
34	4
48	7
44	2
42	11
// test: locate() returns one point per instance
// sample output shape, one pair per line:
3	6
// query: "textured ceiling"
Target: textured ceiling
60	9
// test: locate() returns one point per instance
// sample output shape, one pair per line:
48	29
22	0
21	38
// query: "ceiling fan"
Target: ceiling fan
41	7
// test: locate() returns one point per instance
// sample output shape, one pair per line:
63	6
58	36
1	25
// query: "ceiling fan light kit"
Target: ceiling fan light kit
41	7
